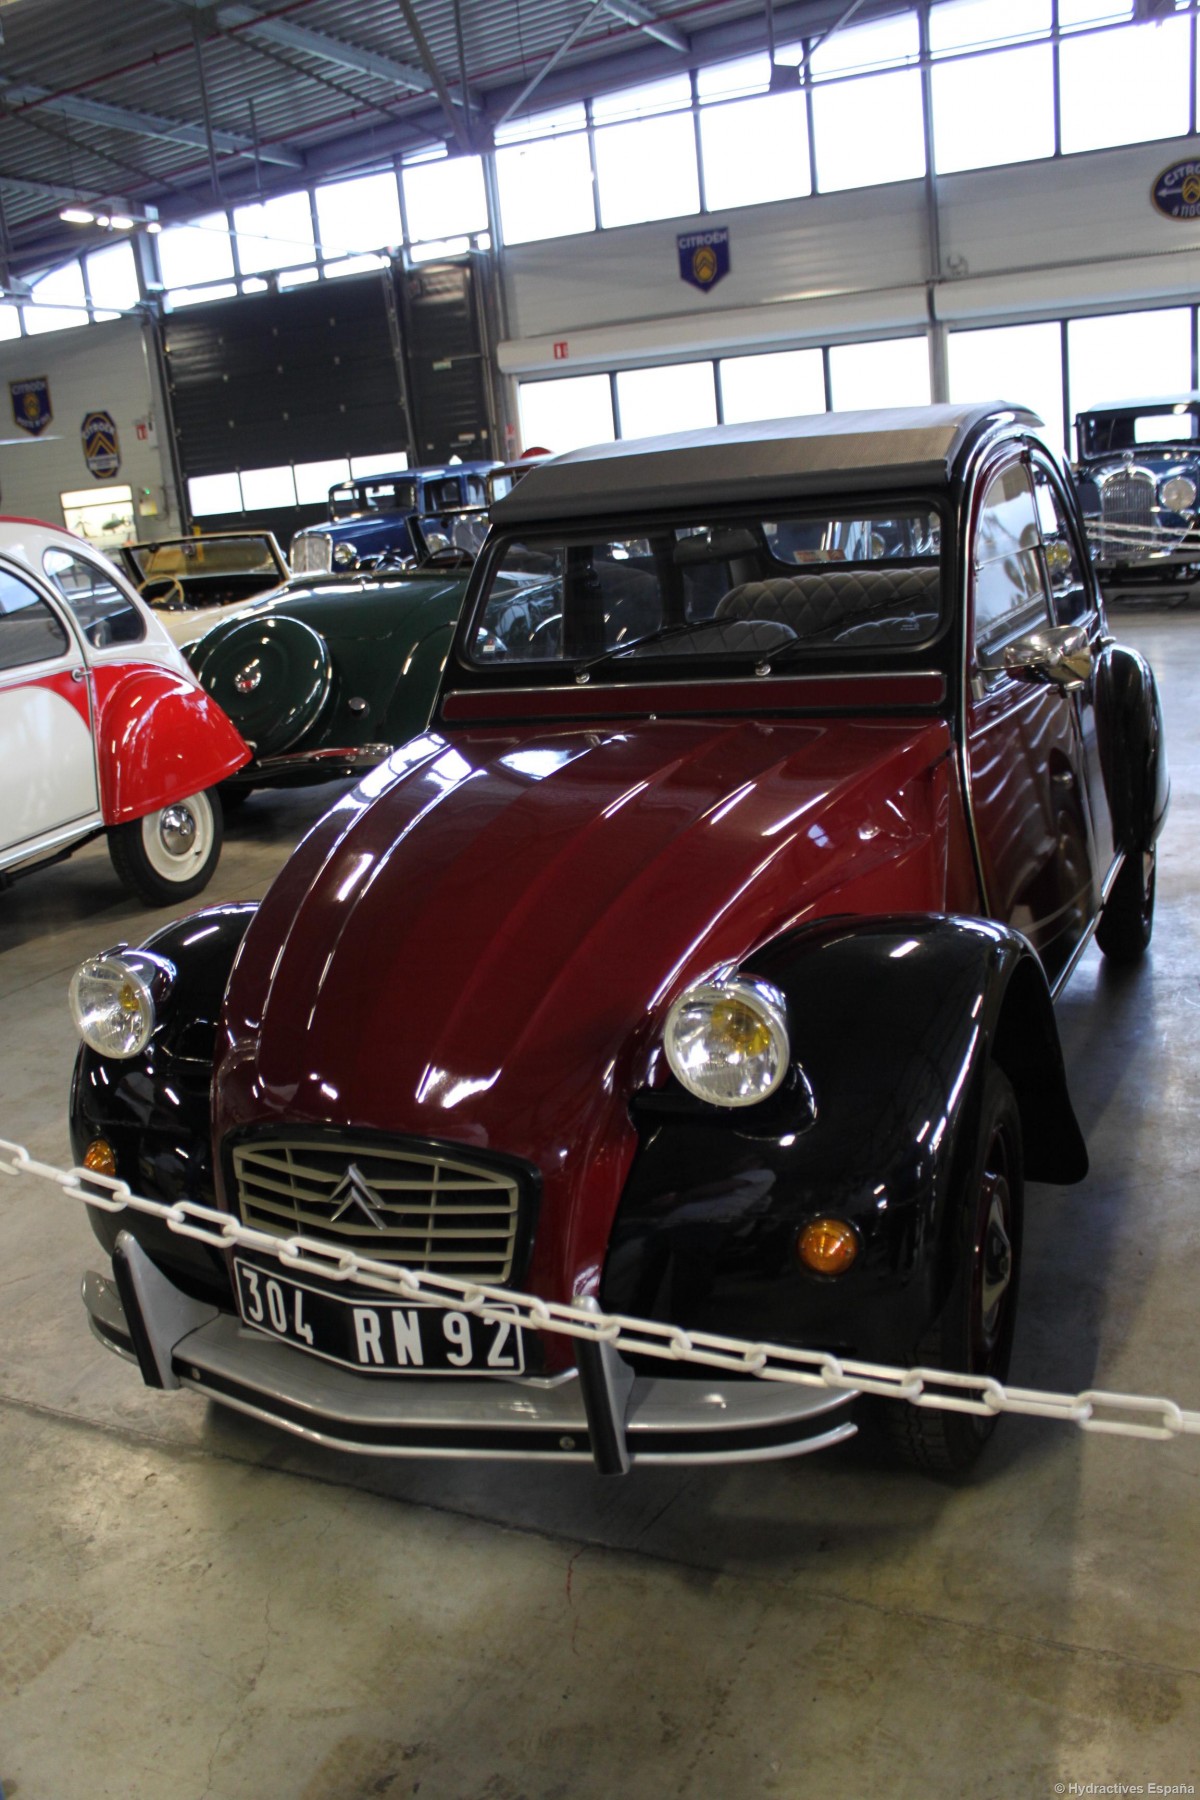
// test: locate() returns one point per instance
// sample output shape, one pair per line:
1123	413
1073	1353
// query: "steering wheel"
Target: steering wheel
449	558
164	592
546	637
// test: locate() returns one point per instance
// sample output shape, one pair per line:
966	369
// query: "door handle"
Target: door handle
78	674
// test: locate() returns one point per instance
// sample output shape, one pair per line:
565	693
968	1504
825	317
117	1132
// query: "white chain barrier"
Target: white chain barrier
1119	1415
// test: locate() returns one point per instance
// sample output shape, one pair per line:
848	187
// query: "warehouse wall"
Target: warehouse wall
1032	240
103	368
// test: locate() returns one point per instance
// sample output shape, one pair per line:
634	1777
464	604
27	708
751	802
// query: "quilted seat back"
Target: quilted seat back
819	601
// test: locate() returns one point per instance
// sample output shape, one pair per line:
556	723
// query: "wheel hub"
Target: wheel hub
996	1258
177	830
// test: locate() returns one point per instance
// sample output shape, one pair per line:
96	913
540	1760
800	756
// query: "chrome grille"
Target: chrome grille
311	554
433	1211
1127	498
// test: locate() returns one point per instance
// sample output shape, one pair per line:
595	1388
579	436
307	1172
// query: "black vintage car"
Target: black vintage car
1139	478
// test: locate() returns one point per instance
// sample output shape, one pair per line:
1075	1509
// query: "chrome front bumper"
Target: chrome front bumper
300	767
600	1412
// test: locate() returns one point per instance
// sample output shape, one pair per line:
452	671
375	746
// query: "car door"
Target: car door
48	781
1025	754
1074	601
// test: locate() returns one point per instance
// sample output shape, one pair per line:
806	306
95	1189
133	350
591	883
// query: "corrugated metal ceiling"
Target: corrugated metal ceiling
118	103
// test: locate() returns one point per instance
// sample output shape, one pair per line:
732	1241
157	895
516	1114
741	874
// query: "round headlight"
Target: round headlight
727	1041
1179	493
345	555
113	1001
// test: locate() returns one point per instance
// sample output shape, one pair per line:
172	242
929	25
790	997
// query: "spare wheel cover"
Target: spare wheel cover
272	677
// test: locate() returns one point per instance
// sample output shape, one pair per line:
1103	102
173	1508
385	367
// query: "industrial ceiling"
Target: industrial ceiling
183	105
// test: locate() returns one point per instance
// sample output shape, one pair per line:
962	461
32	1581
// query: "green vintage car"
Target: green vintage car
327	675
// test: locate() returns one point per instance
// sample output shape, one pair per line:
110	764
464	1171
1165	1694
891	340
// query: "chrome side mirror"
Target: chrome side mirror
1058	654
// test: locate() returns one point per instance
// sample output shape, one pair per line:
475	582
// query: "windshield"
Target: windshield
199	557
1100	434
392	494
753	587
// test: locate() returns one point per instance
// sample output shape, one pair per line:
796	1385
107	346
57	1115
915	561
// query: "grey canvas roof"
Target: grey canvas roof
771	460
1164	403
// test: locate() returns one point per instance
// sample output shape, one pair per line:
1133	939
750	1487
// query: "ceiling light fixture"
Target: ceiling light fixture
120	218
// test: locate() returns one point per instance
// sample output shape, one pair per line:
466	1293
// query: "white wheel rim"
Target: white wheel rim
179	838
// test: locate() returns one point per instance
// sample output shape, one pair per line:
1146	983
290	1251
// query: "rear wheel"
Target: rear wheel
170	854
1127	921
974	1333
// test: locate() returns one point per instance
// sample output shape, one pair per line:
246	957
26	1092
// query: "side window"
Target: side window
29	631
1010	593
1068	586
103	612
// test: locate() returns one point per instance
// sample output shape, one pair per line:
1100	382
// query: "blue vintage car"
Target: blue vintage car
370	518
1138	477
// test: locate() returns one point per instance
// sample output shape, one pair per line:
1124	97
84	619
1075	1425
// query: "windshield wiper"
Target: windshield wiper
661	635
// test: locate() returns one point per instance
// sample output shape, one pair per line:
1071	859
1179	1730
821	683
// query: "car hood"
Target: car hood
479	943
341	608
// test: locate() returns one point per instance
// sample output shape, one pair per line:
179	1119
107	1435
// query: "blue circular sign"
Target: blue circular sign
1176	192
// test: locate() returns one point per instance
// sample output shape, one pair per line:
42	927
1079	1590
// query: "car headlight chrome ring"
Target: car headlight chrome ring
116	1000
1178	493
345	554
726	1040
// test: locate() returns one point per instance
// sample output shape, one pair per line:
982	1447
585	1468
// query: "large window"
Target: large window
267	488
112	278
755	148
869	129
894	372
680	397
1128	356
190	254
358	215
445	197
1120	87
275	234
1021	363
645	154
974	120
564	415
60	301
777	385
544	176
210	494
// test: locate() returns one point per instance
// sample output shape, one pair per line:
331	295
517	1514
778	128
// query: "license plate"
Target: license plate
380	1336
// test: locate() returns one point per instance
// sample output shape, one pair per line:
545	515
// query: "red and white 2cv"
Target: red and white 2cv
102	727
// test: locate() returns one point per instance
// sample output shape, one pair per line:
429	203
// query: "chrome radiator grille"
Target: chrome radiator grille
423	1209
311	554
1127	498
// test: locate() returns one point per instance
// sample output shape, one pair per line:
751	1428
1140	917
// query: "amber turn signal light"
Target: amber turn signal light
100	1158
827	1246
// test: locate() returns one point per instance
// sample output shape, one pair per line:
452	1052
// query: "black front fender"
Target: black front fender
154	1109
1133	755
894	1023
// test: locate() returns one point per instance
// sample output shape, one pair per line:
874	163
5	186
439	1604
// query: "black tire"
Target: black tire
1127	921
234	795
974	1333
271	676
171	854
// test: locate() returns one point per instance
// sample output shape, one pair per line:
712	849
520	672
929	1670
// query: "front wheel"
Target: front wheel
974	1333
171	854
1127	920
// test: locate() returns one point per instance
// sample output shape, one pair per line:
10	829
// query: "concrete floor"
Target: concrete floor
194	1607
